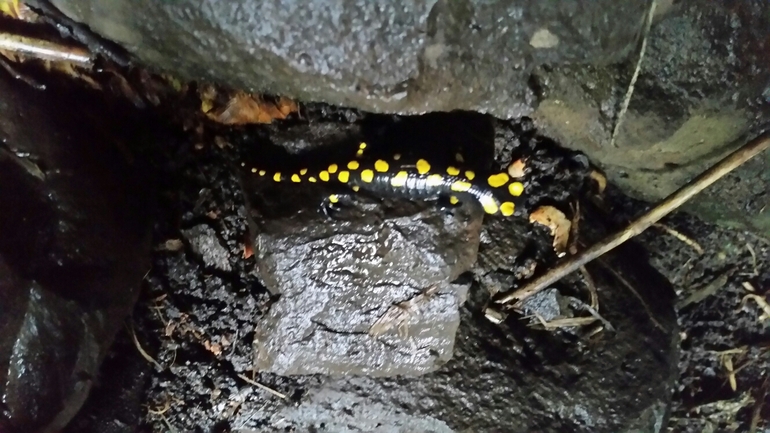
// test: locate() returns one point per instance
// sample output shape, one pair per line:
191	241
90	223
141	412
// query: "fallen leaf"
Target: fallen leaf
555	220
242	109
516	169
600	179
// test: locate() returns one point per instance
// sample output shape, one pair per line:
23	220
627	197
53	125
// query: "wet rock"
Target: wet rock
337	282
701	93
400	57
73	250
204	243
518	379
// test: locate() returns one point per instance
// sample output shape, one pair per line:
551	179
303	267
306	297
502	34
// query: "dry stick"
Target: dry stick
632	83
44	50
668	205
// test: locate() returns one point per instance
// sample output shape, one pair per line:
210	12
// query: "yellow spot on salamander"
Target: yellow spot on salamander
489	204
516	188
498	179
334	198
460	186
295	178
452	171
454	200
333	168
507	208
324	176
243	164
396	157
262	172
459	158
303	172
344	176
356	188
253	170
311	179
381	166
422	166
470	174
434	180
367	175
362	146
353	165
277	177
399	179
359	152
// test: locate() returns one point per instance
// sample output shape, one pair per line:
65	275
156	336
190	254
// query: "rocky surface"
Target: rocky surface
701	90
73	250
208	328
408	57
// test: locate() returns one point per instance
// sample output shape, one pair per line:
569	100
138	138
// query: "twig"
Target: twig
753	259
399	314
630	90
263	387
591	287
671	203
564	323
81	33
636	294
682	237
44	50
142	352
756	413
13	72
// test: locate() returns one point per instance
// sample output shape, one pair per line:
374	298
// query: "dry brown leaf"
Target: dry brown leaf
248	249
214	348
172	245
243	109
516	169
600	179
557	222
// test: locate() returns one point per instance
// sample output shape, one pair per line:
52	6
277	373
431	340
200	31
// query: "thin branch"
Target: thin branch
44	50
632	83
261	386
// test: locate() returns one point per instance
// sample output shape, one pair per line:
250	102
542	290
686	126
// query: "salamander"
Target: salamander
498	193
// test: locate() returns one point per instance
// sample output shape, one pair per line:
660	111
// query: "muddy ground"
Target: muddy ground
190	313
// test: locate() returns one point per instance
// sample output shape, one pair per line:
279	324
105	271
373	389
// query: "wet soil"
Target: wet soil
202	300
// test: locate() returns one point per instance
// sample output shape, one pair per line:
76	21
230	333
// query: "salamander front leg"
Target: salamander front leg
334	203
448	203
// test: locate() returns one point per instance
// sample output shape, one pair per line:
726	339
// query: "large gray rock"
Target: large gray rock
703	90
405	57
74	246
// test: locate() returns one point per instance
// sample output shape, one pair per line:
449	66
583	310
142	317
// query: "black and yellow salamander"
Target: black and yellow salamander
498	193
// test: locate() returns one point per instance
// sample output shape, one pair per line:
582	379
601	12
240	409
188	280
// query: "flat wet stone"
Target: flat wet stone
342	283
